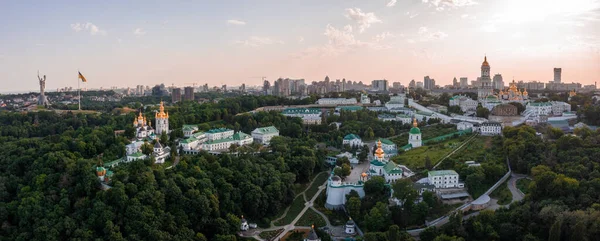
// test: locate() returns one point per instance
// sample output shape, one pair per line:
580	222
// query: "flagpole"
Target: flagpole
78	89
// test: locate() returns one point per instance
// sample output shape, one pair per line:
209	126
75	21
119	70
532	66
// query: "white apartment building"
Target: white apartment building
263	135
444	179
465	103
540	108
395	102
217	134
336	101
490	129
461	126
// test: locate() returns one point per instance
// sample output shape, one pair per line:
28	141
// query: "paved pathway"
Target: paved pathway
455	150
286	228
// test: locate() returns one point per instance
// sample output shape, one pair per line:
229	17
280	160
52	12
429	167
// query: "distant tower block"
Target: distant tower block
557	75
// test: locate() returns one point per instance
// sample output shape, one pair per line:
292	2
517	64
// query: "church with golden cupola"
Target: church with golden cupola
162	120
513	94
143	129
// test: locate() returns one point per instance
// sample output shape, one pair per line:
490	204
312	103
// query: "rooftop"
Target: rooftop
386	141
266	130
442	173
219	130
351	137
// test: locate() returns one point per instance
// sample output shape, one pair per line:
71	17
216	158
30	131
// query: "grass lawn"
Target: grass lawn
270	234
295	209
318	181
502	194
523	185
428	132
311	217
415	158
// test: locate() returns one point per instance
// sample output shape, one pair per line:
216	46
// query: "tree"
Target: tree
353	207
429	198
555	230
341	161
520	107
444	237
429	234
342	171
482	112
404	192
393	233
428	163
364	153
147	148
369	134
376	186
391	132
164	138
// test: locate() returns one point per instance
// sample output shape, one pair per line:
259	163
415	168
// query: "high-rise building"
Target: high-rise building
379	85
419	84
497	82
397	85
188	93
176	95
557	75
455	83
485	82
464	82
412	84
429	83
266	87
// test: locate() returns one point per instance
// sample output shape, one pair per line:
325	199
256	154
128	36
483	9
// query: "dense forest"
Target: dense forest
49	190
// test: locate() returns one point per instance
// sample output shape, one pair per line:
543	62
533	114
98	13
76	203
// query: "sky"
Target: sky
182	42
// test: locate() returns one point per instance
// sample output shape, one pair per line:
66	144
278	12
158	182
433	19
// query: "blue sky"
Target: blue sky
125	43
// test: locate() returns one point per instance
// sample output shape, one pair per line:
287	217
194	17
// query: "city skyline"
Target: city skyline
227	42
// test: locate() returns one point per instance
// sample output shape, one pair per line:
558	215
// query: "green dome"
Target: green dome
415	130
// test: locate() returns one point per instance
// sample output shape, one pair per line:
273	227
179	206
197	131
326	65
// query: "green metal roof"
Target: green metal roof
406	147
386	141
442	173
112	163
219	130
415	130
189	140
391	168
351	108
240	136
267	130
109	173
378	163
402	116
351	137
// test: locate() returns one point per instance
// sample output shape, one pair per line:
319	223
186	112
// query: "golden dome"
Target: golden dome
140	117
161	113
525	91
485	63
379	152
513	87
572	93
415	124
364	174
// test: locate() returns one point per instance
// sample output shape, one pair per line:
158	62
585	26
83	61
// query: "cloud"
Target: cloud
93	29
139	32
467	16
489	28
341	41
426	35
236	22
382	36
301	39
363	20
255	41
442	5
391	3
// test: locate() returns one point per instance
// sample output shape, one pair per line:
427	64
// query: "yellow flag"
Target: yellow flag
81	77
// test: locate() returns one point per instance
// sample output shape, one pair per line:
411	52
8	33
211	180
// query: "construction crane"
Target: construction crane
262	77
